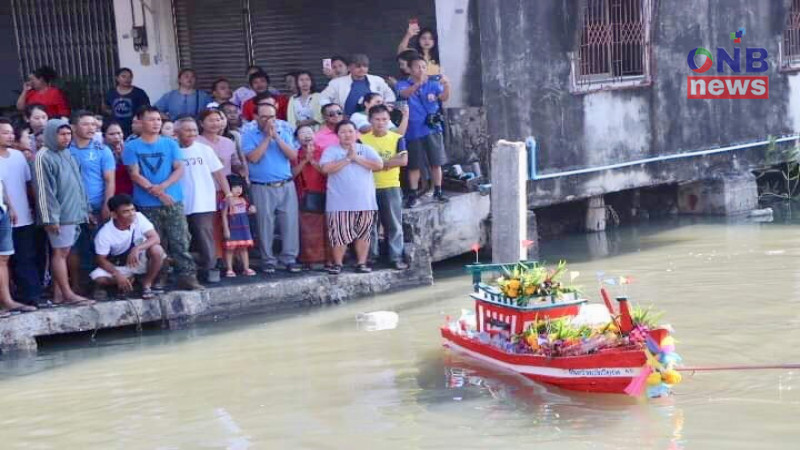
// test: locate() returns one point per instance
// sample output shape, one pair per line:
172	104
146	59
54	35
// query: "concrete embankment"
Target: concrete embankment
434	232
179	308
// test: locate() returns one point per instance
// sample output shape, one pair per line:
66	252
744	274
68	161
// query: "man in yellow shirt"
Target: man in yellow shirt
392	149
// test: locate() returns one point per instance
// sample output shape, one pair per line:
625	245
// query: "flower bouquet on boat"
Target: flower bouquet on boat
529	320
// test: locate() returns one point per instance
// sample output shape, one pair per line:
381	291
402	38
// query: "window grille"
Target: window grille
614	45
78	38
790	44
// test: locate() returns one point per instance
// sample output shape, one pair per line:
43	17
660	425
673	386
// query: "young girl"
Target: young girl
236	228
167	127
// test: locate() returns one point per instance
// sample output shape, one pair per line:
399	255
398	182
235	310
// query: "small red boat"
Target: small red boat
633	360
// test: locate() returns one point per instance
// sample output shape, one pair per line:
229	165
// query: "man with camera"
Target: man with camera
424	135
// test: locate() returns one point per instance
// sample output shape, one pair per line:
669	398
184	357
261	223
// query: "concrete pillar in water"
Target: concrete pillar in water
510	203
724	195
596	214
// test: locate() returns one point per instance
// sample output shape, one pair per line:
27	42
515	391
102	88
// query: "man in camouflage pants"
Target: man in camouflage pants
156	164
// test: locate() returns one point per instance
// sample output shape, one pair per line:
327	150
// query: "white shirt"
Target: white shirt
197	182
16	174
339	89
110	240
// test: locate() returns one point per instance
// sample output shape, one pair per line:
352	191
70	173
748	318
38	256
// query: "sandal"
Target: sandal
250	272
23	309
363	268
230	274
335	270
148	294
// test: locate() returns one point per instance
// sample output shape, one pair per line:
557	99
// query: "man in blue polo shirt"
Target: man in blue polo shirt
156	165
97	166
268	154
424	134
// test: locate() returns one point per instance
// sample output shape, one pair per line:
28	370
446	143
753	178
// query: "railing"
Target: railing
533	148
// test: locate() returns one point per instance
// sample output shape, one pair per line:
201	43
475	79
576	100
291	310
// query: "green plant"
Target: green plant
779	175
645	316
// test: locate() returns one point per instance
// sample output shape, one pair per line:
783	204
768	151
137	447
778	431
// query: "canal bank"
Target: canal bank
433	232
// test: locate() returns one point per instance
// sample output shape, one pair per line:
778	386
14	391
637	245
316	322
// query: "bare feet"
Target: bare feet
12	306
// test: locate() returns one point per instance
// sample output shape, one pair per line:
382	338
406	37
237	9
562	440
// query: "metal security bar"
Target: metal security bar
78	38
790	44
614	45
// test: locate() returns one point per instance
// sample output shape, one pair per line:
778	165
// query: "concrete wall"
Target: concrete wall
459	50
526	91
156	70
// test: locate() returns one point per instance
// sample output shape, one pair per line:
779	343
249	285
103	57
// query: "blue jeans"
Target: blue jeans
390	210
25	263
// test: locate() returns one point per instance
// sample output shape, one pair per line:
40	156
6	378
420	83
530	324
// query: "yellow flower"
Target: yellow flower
671	377
654	379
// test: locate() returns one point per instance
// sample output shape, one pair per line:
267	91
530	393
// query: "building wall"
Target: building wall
155	70
9	70
526	91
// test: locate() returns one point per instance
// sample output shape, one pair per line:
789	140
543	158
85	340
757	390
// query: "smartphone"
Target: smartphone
434	77
327	64
401	152
413	21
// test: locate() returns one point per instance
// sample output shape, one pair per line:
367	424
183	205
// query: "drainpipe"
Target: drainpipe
533	148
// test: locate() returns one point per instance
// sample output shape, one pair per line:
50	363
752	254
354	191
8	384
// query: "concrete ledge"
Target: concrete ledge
449	229
174	309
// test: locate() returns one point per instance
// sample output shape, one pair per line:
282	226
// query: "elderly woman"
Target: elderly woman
350	196
310	183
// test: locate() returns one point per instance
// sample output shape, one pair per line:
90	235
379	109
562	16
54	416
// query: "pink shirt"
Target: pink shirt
225	150
326	137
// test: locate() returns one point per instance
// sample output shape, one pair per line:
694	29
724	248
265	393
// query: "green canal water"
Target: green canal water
312	379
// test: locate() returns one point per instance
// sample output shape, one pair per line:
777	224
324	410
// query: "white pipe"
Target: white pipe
662	158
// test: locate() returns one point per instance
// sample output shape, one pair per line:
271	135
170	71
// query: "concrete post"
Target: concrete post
724	194
596	214
509	202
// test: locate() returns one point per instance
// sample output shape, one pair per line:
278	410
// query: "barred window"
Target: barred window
614	45
790	44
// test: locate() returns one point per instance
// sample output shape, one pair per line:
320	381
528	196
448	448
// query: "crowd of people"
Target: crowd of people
99	204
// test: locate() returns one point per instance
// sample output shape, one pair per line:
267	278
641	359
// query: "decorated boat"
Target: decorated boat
527	320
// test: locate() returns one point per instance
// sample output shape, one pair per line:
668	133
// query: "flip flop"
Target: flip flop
23	309
250	272
79	303
230	274
5	314
148	294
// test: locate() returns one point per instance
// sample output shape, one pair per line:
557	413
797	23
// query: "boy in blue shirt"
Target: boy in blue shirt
424	134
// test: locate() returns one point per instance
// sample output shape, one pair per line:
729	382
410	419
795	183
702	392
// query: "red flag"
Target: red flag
476	247
527	243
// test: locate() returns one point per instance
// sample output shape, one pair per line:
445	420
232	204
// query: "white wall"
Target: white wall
452	27
155	70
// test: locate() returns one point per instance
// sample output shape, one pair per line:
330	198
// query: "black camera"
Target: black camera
434	120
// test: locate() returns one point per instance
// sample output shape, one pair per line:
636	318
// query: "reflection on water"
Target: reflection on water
315	379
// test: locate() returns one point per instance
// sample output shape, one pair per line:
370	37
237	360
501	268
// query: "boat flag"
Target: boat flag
573	275
625	280
527	243
476	248
610	281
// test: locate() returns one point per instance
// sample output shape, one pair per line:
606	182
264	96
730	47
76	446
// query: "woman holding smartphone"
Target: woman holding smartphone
426	43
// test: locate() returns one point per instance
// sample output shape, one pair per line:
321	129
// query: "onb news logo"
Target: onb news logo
721	86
